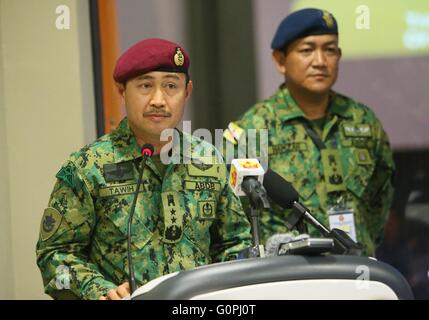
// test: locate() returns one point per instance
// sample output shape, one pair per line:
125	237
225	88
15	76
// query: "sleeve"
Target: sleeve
231	232
379	194
65	238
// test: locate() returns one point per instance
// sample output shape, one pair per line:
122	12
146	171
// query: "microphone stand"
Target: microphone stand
258	201
343	243
147	151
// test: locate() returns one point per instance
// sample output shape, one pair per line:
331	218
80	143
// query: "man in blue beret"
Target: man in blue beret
185	214
332	148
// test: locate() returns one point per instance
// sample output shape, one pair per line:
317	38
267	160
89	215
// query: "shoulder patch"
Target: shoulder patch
67	174
51	220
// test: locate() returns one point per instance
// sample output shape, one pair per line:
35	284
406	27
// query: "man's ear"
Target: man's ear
121	88
189	88
340	53
279	59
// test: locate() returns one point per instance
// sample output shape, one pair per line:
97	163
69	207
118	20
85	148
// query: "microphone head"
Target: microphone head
147	150
279	190
242	168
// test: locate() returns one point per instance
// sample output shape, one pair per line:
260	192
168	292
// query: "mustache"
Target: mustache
156	112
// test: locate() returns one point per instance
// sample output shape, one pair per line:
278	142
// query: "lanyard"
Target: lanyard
314	137
331	162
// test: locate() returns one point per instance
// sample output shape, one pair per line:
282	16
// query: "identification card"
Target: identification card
343	219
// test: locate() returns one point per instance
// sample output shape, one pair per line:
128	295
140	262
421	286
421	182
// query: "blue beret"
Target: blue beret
303	23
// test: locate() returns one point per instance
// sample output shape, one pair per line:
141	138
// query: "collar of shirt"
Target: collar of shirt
287	109
126	148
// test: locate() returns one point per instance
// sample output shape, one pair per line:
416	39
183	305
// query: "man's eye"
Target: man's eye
331	50
171	86
145	85
306	50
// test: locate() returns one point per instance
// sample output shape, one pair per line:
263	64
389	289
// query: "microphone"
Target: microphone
280	190
284	194
246	177
147	152
289	244
274	242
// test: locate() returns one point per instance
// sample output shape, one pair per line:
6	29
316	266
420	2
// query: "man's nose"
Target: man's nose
319	59
157	99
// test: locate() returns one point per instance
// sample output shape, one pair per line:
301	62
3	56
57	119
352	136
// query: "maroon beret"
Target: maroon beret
151	55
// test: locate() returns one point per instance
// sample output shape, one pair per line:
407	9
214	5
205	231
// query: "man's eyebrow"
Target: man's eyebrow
150	77
330	43
171	75
144	77
313	43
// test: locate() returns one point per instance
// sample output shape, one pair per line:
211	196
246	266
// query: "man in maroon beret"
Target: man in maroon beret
186	215
152	77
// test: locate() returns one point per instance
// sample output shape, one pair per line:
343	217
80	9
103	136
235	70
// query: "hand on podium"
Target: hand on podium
118	293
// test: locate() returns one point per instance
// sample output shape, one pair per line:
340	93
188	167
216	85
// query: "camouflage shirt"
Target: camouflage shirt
364	153
187	218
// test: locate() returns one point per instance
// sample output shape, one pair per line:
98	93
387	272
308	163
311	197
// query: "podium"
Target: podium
282	278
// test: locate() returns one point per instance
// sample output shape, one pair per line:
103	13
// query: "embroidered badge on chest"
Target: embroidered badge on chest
118	171
357	130
203	170
206	210
362	157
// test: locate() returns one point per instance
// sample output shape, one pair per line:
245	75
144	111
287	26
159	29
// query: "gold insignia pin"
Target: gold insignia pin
179	58
329	20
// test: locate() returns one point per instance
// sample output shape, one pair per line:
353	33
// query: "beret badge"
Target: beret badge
327	17
179	59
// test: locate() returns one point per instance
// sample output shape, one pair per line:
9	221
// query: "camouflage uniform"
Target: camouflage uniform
188	218
365	154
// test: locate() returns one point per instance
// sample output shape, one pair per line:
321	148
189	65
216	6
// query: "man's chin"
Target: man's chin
157	130
319	89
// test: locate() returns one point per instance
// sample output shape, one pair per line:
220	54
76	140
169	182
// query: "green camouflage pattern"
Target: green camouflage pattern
84	254
366	161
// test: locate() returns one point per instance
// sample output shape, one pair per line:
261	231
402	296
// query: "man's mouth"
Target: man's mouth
156	117
157	114
319	75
